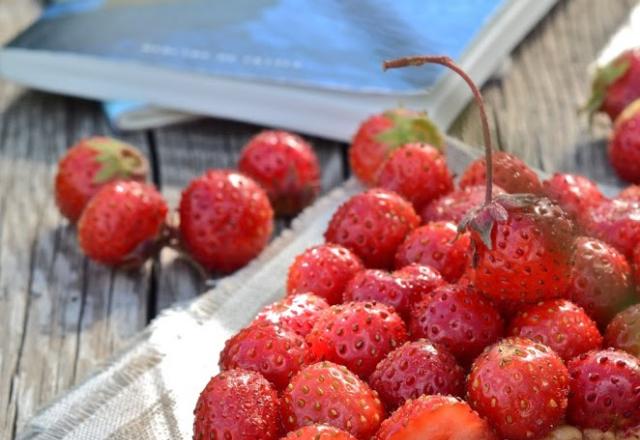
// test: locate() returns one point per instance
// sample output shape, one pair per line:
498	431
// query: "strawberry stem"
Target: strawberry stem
449	63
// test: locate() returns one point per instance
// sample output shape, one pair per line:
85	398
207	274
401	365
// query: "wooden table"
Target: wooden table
62	315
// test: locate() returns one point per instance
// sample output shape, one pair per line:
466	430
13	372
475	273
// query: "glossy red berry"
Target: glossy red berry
454	206
576	194
509	173
297	313
623	332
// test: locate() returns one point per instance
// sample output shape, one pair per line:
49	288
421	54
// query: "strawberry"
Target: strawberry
269	349
616	84
319	432
574	193
297	313
630	193
330	394
372	224
323	270
521	387
91	164
379	135
437	245
414	369
605	390
509	173
285	166
435	418
454	206
601	280
616	222
623	332
225	220
560	325
237	404
624	143
418	172
459	318
398	289
121	224
357	335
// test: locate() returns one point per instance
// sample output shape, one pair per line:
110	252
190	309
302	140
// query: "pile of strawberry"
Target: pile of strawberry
225	216
500	309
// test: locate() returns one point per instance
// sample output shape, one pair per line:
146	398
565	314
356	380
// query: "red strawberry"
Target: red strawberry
418	172
560	325
357	335
423	279
319	432
323	270
435	418
624	143
373	224
89	165
521	387
454	206
269	349
330	394
575	194
414	369
286	167
509	173
379	135
122	223
601	280
616	222
437	245
623	332
630	193
237	404
616	85
458	318
297	313
605	390
225	220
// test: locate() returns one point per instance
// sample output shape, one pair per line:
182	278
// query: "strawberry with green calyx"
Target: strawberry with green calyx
616	85
522	243
89	165
379	135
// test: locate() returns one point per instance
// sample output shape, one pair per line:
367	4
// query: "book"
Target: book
313	67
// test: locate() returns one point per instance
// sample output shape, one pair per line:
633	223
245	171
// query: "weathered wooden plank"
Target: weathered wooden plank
186	151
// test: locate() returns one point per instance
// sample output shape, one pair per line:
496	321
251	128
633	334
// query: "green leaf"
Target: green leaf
604	77
411	127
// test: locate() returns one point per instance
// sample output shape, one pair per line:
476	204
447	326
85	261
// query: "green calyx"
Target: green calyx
411	127
118	160
604	77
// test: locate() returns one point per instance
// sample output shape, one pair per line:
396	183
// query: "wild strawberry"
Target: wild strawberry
323	270
623	332
414	369
437	245
122	223
373	224
285	166
521	387
454	206
357	335
624	143
330	394
601	280
630	193
225	220
435	418
89	165
574	193
319	432
605	390
269	349
297	313
237	404
459	318
379	135
418	172
616	85
616	222
509	173
558	324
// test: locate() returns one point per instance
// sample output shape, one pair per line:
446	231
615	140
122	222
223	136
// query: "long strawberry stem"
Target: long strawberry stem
449	63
